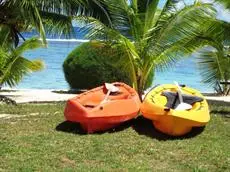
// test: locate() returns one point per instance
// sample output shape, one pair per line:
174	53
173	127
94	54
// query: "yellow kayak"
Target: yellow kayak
160	105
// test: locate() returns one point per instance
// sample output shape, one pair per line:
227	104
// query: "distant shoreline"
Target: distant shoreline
63	40
68	40
69	91
59	95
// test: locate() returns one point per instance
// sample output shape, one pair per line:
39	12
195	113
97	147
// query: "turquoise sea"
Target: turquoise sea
52	77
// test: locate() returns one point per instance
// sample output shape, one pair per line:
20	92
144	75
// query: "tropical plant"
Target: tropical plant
91	64
13	66
154	38
214	62
17	16
45	16
22	15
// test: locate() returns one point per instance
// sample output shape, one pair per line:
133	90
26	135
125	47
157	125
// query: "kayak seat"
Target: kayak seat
118	95
173	99
114	96
89	106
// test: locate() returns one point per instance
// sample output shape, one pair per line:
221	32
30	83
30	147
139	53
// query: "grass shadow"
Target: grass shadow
71	91
145	127
221	110
7	100
70	127
224	113
75	128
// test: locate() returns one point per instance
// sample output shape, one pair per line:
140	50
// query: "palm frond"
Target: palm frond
181	36
187	23
31	12
214	67
14	66
176	38
29	44
19	15
214	64
18	68
150	15
5	32
95	29
23	14
3	59
226	3
132	62
57	24
212	35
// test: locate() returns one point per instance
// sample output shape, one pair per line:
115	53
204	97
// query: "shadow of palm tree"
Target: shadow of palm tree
7	100
224	113
144	126
75	128
70	127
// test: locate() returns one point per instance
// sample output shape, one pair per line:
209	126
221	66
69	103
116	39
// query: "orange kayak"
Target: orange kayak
99	109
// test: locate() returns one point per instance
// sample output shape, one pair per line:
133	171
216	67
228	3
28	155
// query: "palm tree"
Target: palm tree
153	38
214	62
46	16
13	66
22	15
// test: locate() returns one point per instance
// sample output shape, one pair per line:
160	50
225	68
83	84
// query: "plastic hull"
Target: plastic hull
93	116
170	121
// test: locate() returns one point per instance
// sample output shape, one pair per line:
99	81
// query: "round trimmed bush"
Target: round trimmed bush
93	63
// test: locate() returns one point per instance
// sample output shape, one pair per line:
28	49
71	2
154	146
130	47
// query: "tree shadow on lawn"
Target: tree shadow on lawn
145	127
70	127
224	113
75	128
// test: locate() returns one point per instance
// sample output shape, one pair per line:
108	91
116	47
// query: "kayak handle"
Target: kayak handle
166	109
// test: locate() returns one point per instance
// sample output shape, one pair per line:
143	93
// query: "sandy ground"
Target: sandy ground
33	95
223	100
42	96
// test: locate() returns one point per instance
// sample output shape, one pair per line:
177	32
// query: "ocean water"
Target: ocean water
52	77
184	72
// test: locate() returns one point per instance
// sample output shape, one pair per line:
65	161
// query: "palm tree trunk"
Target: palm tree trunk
140	93
140	88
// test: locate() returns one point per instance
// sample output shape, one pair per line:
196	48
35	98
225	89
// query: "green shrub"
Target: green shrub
93	63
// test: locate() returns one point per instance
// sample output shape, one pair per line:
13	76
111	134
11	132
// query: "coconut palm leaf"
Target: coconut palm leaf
14	66
48	15
21	15
15	71
214	67
226	3
175	38
5	32
57	24
3	57
214	64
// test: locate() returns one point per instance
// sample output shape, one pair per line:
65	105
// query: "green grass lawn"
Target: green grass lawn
36	138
